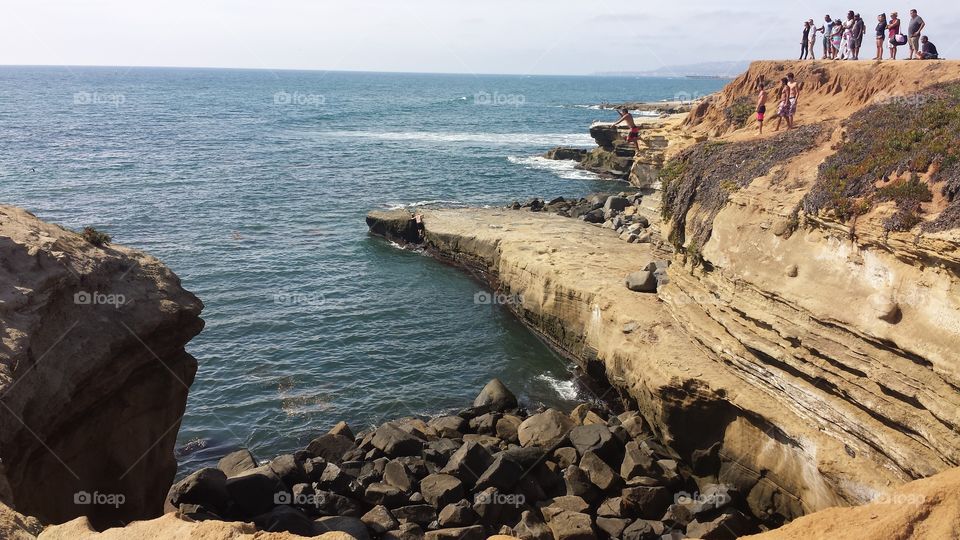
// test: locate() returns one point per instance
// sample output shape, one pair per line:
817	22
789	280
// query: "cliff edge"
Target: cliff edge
93	374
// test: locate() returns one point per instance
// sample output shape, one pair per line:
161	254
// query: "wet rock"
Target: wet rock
237	462
564	153
572	526
256	491
335	479
599	473
206	487
496	397
441	489
393	441
350	525
474	532
547	429
331	447
398	225
458	514
343	429
380	520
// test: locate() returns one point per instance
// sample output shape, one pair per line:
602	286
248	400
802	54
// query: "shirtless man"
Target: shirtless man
793	95
627	118
761	102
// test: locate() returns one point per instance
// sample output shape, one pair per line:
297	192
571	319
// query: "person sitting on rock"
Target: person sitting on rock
627	118
928	51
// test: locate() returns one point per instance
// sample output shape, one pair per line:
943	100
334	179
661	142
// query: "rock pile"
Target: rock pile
489	469
620	212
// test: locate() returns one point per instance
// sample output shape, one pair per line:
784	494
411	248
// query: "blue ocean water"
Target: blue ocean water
252	185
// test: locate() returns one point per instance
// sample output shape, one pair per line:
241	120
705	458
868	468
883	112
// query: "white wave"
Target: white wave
436	202
564	168
494	139
567	390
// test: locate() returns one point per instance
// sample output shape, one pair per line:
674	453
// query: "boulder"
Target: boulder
380	520
641	281
572	526
331	447
728	525
458	514
397	225
485	423
578	484
564	153
636	462
379	493
613	527
406	531
566	503
584	415
256	491
648	502
327	503
350	525
496	397
474	532
441	489
397	474
616	203
285	518
642	529
206	487
502	474
547	429
449	426
393	441
237	462
599	473
468	462
507	428
288	469
566	456
343	429
530	527
421	514
597	438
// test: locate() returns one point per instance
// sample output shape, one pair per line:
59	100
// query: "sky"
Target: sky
443	36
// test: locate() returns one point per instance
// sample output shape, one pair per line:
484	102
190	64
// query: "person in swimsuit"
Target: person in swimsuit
627	118
783	105
881	34
893	29
793	96
761	102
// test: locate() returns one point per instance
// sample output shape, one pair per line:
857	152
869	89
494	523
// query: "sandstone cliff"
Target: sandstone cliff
93	374
816	351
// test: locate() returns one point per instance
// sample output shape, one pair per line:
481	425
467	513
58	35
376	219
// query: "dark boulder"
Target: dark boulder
331	447
285	518
393	441
237	462
350	525
206	487
441	489
496	396
256	491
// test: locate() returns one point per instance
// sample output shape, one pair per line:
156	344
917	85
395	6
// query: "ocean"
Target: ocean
252	185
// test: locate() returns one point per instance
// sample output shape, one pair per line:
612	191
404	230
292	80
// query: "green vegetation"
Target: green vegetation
914	134
707	173
740	111
95	237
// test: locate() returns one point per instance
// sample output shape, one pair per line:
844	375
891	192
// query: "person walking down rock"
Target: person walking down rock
893	30
881	35
626	118
914	29
783	104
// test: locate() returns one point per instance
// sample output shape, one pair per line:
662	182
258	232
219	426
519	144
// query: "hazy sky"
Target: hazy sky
492	36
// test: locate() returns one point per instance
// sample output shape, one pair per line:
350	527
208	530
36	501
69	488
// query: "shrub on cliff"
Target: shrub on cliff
902	136
95	237
707	173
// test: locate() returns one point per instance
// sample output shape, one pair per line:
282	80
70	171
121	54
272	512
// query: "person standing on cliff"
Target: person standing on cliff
805	41
813	38
783	104
827	30
793	96
761	102
914	30
893	30
627	119
881	34
859	29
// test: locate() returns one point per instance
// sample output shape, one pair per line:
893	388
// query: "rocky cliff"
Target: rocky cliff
811	345
93	374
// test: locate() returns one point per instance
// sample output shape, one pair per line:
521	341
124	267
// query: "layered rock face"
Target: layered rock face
93	374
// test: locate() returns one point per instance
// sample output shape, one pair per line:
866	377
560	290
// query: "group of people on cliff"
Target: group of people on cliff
788	95
842	39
